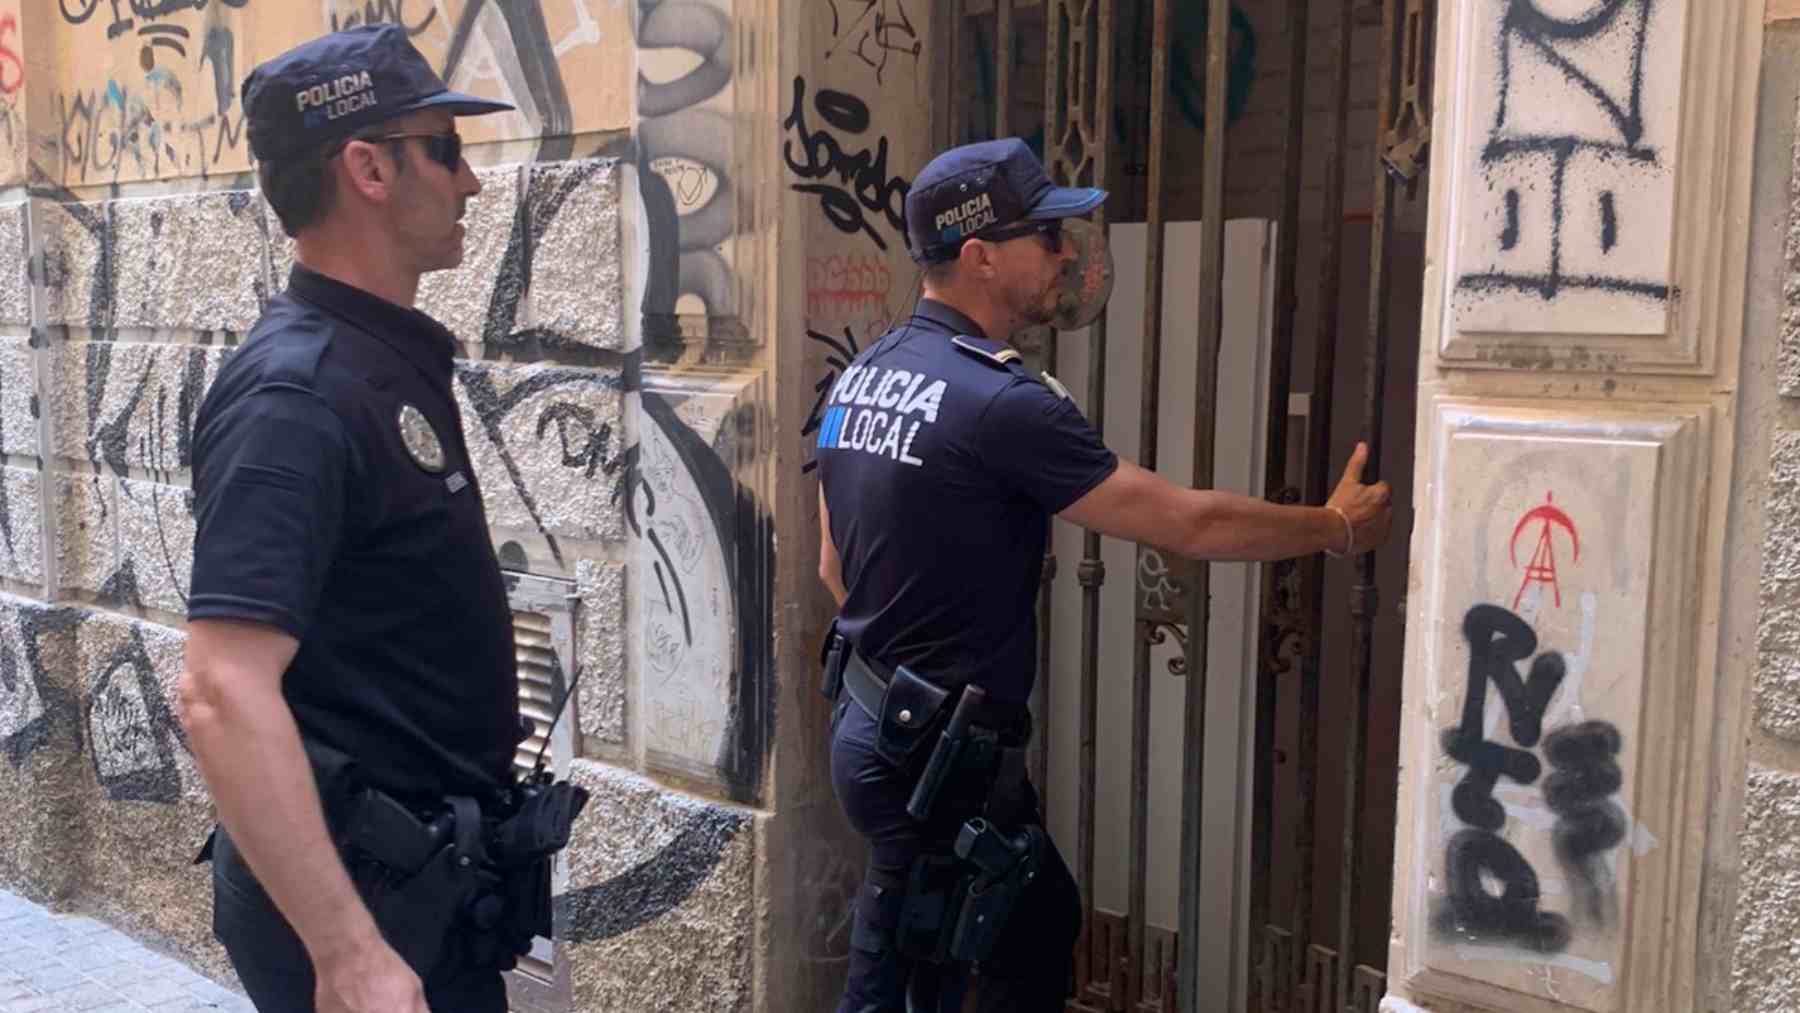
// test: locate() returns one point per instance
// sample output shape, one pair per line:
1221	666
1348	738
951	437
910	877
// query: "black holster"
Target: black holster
450	873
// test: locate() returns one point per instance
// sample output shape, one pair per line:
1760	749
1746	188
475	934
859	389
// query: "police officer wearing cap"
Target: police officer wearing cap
941	461
349	640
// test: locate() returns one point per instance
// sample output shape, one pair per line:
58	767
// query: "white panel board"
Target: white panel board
1241	419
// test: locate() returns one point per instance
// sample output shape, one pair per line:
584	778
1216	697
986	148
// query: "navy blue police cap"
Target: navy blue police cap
331	87
979	189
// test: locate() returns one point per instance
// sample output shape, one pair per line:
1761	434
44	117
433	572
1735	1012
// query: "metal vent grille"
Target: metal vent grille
540	685
543	638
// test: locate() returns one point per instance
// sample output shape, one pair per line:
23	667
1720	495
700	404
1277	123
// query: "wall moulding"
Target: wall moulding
1593	212
1549	803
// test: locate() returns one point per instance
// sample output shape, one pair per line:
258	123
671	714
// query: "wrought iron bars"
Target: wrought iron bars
1206	398
1150	393
1076	133
1318	460
1365	596
1281	641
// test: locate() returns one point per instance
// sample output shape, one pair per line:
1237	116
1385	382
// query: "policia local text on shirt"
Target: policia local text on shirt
350	691
941	461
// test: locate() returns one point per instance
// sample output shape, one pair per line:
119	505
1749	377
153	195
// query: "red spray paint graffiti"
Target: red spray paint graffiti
1542	567
12	69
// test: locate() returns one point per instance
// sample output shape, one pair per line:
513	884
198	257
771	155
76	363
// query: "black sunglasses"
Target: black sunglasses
1050	230
444	149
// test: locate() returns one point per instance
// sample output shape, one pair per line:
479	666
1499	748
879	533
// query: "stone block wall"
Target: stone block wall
1763	974
138	303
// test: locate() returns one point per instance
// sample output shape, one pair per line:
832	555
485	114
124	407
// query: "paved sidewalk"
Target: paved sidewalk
52	963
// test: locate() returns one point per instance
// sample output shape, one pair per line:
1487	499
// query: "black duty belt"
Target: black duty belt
867	683
866	686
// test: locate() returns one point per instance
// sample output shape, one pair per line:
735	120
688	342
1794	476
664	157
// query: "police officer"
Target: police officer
347	614
941	461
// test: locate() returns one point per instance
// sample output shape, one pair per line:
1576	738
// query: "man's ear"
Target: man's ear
367	170
977	259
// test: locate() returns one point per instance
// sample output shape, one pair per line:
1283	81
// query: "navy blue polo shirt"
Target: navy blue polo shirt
942	460
334	500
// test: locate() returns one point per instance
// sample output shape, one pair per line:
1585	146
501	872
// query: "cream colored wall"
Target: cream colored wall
851	125
1579	378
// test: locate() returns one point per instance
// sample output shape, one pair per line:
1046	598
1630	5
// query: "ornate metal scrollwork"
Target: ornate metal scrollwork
1284	619
1158	634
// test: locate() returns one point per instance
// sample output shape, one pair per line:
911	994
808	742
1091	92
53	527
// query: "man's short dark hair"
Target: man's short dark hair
300	189
939	273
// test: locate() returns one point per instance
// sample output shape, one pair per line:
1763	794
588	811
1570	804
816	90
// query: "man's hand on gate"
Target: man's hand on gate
1369	508
368	979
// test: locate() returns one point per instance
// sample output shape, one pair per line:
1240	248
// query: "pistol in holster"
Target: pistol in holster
1006	864
957	907
450	872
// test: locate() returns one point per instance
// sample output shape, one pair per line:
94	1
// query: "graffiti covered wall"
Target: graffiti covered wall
607	463
150	91
1569	727
1550	652
1573	118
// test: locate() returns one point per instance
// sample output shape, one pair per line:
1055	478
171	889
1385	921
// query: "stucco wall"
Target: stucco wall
606	260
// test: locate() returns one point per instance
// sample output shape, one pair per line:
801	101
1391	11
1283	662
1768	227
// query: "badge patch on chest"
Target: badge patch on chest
421	440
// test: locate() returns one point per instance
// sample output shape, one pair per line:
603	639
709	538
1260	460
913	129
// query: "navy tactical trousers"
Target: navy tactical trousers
1030	969
273	965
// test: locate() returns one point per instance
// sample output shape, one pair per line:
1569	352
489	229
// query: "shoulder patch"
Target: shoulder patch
998	359
1056	385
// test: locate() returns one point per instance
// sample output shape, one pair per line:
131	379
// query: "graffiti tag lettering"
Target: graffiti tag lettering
863	184
1589	823
383	12
841	287
1520	148
837	359
881	31
12	69
1498	639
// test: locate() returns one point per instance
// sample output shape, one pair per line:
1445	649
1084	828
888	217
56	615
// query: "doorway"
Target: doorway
1267	163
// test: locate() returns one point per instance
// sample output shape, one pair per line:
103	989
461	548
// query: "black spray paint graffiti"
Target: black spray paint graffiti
652	888
678	137
150	127
837	359
125	721
863	185
36	710
527	54
586	444
746	537
125	13
384	12
154	414
1527	30
875	35
132	729
1589	823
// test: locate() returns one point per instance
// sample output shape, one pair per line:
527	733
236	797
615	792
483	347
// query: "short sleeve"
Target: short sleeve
270	477
1040	444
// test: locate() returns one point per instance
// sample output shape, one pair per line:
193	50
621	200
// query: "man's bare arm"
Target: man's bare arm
1143	507
831	567
248	749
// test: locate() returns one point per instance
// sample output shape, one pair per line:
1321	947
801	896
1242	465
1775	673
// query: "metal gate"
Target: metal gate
1292	972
